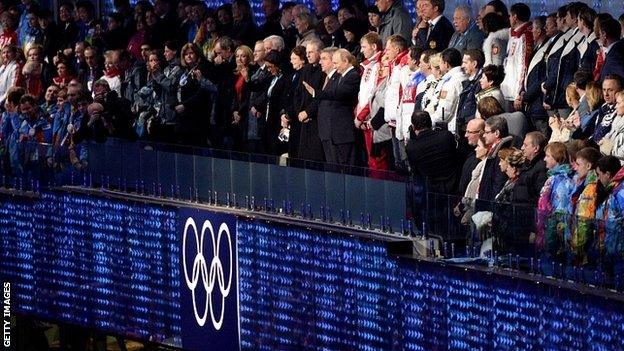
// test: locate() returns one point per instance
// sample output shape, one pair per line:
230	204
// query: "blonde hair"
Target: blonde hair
247	52
572	95
593	93
435	60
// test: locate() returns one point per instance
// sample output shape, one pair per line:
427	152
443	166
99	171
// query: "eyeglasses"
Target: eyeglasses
473	132
488	131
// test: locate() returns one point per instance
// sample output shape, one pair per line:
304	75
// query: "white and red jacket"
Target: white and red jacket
519	48
370	80
392	103
450	87
412	82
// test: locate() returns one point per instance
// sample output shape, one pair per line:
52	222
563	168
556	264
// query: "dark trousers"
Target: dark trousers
341	154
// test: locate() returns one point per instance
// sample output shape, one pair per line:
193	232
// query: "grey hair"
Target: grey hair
276	41
465	9
498	123
308	18
319	44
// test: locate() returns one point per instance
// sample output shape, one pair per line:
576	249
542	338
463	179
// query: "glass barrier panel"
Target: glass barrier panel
203	177
185	175
259	182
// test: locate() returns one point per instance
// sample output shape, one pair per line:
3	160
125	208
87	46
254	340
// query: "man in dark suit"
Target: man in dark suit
437	35
432	154
614	53
337	102
92	70
467	35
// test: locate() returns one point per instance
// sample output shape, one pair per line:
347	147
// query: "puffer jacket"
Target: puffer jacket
582	210
552	210
610	236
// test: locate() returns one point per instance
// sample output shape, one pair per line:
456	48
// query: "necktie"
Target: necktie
429	29
325	83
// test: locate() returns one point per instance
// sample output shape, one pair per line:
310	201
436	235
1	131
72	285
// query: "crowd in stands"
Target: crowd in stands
495	106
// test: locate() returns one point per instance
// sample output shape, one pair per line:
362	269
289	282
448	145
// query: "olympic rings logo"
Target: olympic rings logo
208	277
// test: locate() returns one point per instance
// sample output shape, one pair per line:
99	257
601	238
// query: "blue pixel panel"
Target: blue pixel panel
115	265
110	265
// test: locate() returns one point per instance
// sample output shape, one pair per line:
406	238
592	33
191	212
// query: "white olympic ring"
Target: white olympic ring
208	278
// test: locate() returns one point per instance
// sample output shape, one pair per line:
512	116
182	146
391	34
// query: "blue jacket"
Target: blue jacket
614	61
589	56
471	39
467	106
611	211
553	97
533	97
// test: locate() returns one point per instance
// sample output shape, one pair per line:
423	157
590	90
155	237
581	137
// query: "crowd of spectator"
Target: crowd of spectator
499	106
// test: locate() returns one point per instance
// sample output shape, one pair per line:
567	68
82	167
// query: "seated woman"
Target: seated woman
558	125
582	126
491	78
514	162
553	202
517	122
508	220
472	190
613	142
583	205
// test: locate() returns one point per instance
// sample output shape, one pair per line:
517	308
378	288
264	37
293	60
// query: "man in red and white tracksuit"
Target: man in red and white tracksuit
371	46
519	50
398	56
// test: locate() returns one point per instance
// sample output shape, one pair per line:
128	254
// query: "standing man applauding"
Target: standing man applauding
336	104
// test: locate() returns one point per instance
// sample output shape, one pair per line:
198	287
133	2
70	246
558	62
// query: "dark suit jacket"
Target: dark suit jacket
614	61
336	105
275	104
467	106
432	154
588	60
533	96
472	39
553	97
439	37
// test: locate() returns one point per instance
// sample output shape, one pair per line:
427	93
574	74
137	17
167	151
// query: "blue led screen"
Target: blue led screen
111	265
114	265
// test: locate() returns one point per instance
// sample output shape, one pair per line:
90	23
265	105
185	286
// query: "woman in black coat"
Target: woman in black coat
295	95
193	92
310	147
276	101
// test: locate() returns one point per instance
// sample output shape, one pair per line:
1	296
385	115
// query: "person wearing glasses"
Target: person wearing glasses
496	134
474	132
